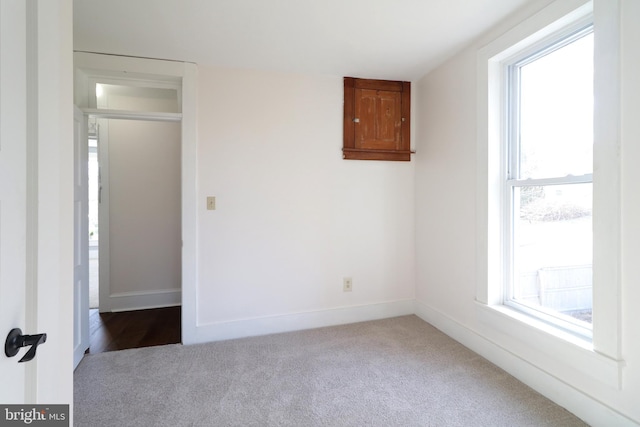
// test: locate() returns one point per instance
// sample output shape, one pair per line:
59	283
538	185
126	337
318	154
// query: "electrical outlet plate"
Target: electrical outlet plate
211	203
347	284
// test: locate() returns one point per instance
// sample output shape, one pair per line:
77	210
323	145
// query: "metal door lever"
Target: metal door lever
15	341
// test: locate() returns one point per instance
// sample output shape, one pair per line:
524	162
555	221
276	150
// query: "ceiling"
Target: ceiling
384	39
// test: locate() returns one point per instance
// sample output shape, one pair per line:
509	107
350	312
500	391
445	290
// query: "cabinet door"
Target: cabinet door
376	119
379	119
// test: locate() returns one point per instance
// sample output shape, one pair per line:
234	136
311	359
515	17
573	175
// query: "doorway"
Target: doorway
139	218
134	237
134	218
135	88
93	208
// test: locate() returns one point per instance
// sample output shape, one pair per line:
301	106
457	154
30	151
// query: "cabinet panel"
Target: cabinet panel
376	125
379	119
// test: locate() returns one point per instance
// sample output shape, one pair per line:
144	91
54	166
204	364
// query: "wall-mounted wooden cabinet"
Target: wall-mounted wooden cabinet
377	116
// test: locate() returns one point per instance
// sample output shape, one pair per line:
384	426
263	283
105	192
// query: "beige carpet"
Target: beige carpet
392	372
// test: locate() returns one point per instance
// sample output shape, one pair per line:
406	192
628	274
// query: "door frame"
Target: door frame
81	237
130	300
89	66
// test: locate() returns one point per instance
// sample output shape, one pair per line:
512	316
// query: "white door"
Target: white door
13	179
81	237
36	214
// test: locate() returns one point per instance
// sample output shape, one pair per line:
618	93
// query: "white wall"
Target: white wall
293	218
144	206
143	229
446	213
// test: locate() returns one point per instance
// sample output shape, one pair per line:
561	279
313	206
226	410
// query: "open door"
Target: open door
81	237
36	67
13	190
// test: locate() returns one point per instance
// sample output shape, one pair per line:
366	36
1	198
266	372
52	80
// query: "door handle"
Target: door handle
15	341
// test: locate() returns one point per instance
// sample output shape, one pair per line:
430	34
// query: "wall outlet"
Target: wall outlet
347	284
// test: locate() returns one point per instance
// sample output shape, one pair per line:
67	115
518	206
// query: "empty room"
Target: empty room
340	213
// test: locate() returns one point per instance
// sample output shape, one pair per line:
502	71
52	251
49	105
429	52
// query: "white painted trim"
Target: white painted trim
184	75
607	201
104	261
128	67
105	296
585	407
569	179
107	301
607	206
189	169
102	113
579	361
81	237
142	300
298	321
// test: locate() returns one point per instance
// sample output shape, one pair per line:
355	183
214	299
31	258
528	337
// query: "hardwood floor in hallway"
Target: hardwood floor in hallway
134	329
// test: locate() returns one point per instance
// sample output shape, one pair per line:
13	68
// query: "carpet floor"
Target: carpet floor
391	372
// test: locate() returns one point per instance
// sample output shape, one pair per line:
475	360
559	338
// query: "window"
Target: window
376	119
548	338
548	175
136	95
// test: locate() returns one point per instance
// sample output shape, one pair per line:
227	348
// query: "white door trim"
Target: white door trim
132	115
103	217
81	237
109	301
186	74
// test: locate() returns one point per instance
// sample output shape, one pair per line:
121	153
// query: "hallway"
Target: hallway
133	329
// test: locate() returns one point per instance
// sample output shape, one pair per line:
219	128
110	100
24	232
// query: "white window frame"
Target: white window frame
559	353
510	124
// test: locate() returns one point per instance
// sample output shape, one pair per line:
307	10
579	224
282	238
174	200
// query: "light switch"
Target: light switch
211	203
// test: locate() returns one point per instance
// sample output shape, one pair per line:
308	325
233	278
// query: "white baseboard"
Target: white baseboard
296	321
583	406
127	301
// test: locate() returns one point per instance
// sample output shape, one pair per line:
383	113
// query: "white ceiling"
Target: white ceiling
385	39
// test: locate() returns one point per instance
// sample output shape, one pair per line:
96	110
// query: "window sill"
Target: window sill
565	356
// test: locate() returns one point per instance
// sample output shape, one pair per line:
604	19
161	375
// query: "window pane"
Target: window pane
556	112
136	98
552	248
